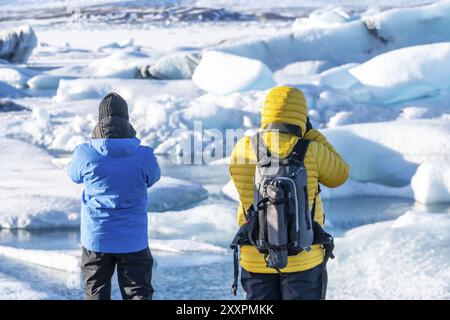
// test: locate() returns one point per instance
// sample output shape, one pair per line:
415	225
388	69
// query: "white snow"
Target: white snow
46	81
13	77
14	289
129	89
406	73
121	64
402	259
431	182
66	260
29	198
323	18
339	77
223	73
171	193
354	41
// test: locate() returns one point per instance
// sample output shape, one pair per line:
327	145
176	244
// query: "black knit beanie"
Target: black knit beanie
113	105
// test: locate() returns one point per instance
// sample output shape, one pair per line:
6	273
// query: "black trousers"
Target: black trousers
134	273
305	285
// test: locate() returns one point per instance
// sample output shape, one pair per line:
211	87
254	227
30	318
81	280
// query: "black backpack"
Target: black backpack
279	223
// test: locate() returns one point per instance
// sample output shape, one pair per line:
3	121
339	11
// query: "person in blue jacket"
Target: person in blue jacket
115	170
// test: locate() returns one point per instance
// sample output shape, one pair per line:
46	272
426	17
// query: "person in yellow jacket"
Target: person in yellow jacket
305	274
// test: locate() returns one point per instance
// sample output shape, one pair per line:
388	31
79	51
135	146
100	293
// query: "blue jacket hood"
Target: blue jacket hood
116	147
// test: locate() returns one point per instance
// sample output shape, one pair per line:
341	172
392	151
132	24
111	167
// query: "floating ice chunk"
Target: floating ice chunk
413	113
171	193
46	81
387	255
213	116
431	182
338	77
16	45
415	141
13	77
176	66
118	65
339	119
305	68
223	73
322	18
212	223
406	73
331	99
130	89
7	91
41	202
354	41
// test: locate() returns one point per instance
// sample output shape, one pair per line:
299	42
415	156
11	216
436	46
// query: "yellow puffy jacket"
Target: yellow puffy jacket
322	162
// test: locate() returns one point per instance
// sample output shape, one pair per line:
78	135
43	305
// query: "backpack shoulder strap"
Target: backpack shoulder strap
299	150
259	147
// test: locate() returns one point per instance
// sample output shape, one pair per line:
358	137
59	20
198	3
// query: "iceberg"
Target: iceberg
29	199
406	73
175	66
394	259
130	89
171	193
7	91
17	45
223	73
13	77
210	223
340	39
431	182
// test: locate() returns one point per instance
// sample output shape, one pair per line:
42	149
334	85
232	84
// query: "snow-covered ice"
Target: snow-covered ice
171	193
406	73
224	73
376	86
212	223
431	182
393	260
30	199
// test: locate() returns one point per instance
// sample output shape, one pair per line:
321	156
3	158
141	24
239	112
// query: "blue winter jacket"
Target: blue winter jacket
116	174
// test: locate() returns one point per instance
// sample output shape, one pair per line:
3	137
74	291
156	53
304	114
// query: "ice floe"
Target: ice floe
406	73
211	223
171	193
393	260
35	194
224	73
431	182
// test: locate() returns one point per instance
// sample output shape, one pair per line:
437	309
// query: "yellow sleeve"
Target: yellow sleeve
331	168
317	136
242	171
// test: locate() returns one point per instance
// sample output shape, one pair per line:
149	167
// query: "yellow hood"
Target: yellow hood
285	105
